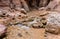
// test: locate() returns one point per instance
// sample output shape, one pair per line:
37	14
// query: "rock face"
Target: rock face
26	4
53	22
31	4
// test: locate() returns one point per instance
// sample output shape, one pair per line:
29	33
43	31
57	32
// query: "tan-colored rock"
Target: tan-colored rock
5	20
17	32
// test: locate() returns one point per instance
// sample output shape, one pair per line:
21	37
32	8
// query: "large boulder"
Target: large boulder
53	22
